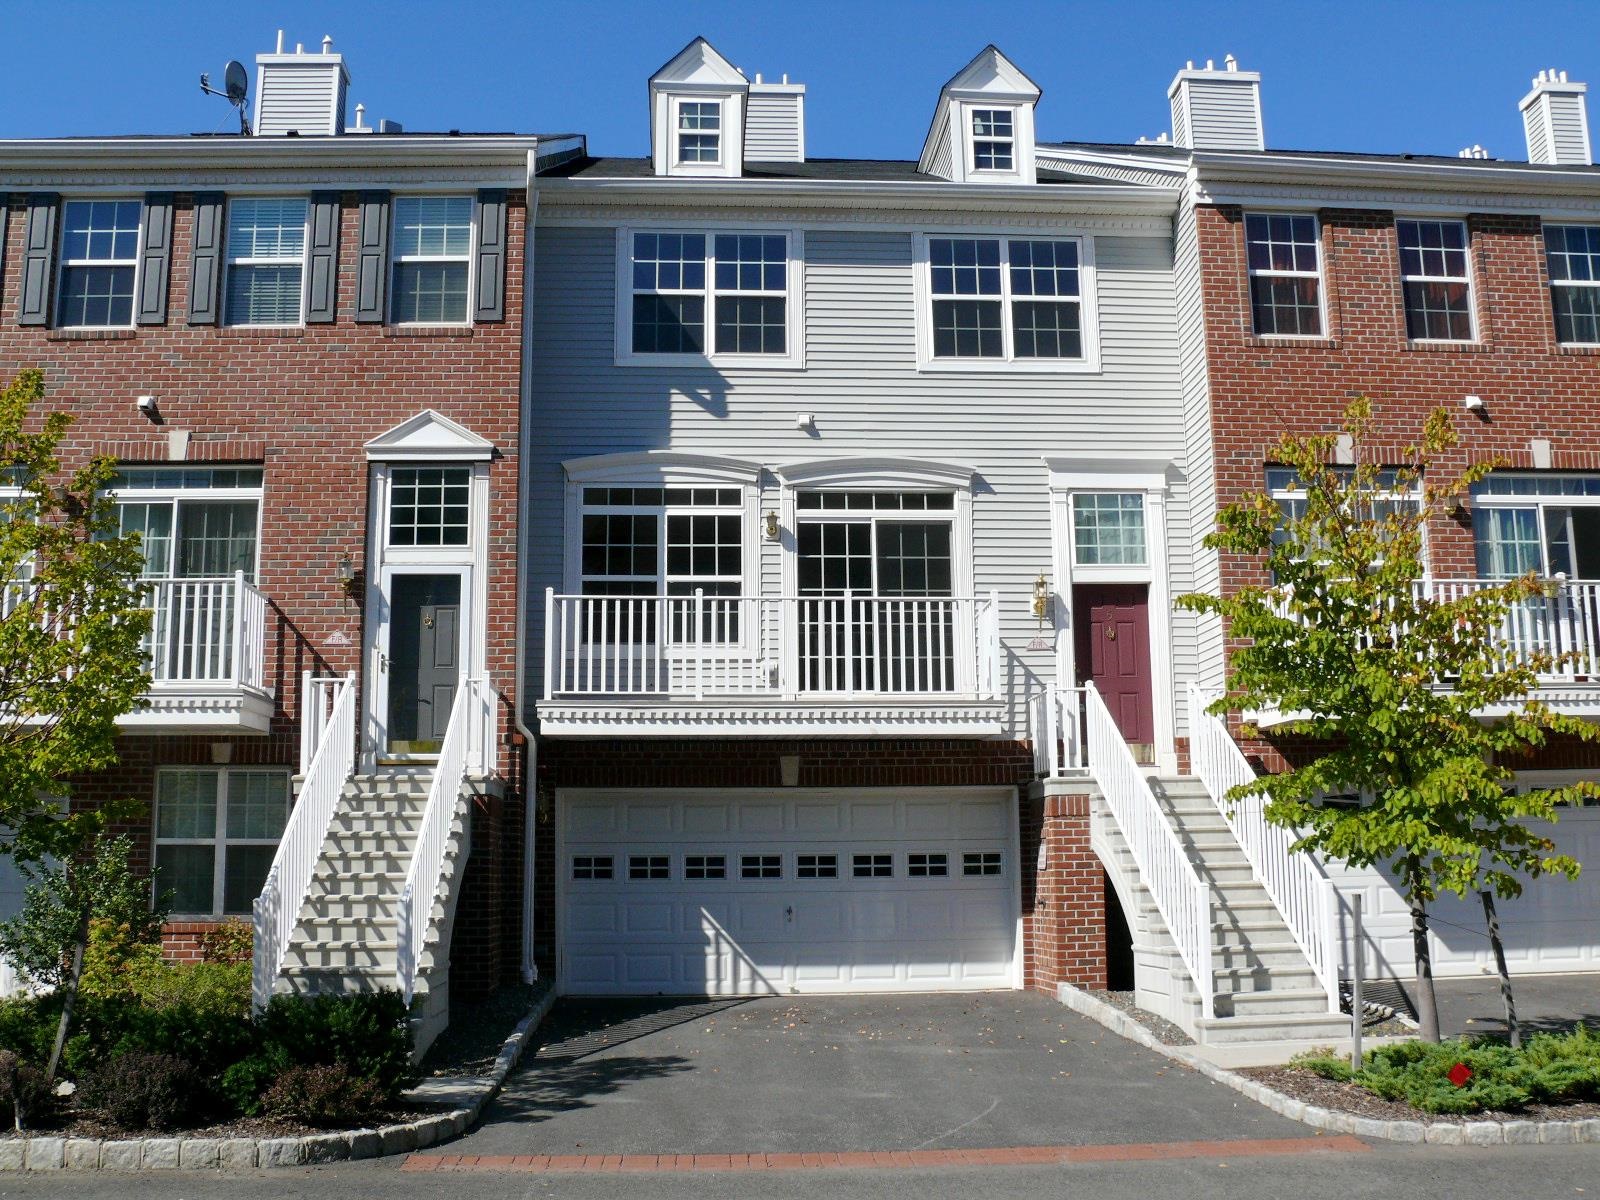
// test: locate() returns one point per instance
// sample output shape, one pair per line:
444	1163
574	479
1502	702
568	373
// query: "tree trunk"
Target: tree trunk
1427	1004
1493	920
69	1003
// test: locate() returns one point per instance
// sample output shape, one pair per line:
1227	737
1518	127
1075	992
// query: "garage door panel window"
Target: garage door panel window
872	866
591	866
649	866
817	866
761	866
983	862
928	866
705	866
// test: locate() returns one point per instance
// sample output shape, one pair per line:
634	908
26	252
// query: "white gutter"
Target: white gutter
530	783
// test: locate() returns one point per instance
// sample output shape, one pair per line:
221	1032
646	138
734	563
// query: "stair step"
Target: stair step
1269	954
1281	1027
378	931
361	861
340	956
1267	979
341	981
356	884
352	906
372	820
1287	1001
386	841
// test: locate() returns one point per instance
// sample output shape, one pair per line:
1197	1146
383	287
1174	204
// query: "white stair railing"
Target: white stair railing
332	762
1165	868
1305	896
1056	728
468	745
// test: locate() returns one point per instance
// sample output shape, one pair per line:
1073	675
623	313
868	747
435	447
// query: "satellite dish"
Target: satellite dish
235	82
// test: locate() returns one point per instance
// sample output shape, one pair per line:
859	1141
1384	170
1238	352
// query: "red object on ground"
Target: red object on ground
1459	1074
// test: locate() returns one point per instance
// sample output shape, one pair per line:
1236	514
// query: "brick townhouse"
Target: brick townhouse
303	348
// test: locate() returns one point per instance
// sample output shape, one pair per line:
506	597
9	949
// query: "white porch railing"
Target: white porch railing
277	909
1305	896
1055	723
468	746
209	631
1165	869
771	646
1563	623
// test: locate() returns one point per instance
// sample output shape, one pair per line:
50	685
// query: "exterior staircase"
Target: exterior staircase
347	938
1263	988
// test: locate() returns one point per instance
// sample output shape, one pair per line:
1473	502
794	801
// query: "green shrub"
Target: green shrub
1551	1068
25	1092
367	1032
244	1083
323	1095
232	942
1324	1062
28	1026
141	1091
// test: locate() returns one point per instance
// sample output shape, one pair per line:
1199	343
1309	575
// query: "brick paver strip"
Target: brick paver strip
1005	1156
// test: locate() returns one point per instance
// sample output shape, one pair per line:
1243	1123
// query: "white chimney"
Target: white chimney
301	93
775	122
1555	117
1217	109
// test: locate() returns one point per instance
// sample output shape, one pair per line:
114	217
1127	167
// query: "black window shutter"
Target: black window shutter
155	256
322	280
372	264
491	294
205	273
38	259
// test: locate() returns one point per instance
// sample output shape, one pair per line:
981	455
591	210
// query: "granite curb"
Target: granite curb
46	1153
1440	1133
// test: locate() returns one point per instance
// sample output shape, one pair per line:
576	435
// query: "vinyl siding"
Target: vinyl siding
1220	116
302	98
862	385
772	129
942	163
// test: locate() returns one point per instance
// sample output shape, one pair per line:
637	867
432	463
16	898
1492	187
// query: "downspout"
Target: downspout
530	782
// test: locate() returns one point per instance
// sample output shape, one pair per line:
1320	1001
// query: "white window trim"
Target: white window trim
1591	284
1320	275
676	132
219	840
63	262
396	258
176	495
1470	279
968	112
1108	572
229	263
794	335
452	550
1088	306
1150	476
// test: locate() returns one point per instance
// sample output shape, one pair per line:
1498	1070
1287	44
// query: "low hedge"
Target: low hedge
1549	1069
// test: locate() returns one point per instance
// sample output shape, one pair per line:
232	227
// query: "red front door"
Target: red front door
1112	623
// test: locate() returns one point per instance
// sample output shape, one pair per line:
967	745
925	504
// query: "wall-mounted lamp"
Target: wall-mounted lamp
345	572
1041	597
147	405
771	526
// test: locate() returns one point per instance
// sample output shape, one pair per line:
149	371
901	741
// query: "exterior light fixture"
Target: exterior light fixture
345	572
772	526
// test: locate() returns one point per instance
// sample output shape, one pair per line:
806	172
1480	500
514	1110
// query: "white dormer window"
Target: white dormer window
993	139
699	131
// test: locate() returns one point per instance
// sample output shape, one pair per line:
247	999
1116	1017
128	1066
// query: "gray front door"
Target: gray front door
424	660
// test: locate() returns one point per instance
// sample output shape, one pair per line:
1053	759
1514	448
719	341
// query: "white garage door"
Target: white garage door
1552	927
731	893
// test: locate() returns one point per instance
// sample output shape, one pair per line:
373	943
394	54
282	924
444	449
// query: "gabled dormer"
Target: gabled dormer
697	106
982	131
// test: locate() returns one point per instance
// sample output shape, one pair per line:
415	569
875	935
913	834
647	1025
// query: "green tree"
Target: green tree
1410	698
72	659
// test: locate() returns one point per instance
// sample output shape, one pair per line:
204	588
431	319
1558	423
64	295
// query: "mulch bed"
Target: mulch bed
1164	1030
1357	1101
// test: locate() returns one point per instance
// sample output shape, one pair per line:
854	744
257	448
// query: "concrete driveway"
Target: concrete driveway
851	1073
1553	1003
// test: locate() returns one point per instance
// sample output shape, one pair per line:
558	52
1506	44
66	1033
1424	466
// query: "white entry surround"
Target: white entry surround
1551	928
726	891
428	439
1149	478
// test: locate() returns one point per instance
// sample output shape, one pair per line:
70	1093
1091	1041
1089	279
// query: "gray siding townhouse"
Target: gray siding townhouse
844	478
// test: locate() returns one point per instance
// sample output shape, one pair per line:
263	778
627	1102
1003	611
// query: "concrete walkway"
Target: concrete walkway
848	1074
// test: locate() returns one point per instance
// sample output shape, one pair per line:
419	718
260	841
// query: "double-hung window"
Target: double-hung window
699	131
993	139
1437	281
266	261
682	542
99	260
717	296
996	300
432	260
1546	522
1389	497
1283	260
216	833
1572	253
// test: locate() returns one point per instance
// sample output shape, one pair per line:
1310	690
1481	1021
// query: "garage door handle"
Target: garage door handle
788	913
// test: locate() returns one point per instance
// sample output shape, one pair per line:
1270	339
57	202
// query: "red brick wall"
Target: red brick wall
301	402
1262	388
1063	906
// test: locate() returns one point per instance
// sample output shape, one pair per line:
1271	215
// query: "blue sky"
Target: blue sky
1412	75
